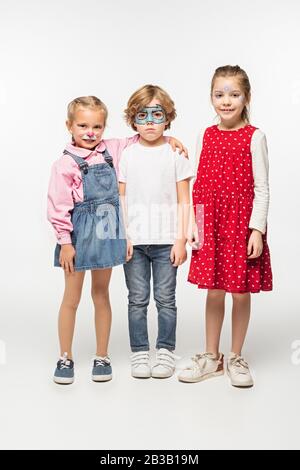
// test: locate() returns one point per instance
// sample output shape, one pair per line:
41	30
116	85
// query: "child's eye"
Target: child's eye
236	95
158	115
141	115
81	125
218	95
98	127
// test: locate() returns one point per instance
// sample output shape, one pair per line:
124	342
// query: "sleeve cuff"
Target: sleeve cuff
188	176
256	226
64	239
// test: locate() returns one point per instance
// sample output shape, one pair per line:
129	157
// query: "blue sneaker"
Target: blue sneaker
64	372
101	369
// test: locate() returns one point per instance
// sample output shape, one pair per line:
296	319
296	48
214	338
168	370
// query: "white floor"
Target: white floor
127	413
144	414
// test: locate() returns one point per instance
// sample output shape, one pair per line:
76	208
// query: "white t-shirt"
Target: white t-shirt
151	174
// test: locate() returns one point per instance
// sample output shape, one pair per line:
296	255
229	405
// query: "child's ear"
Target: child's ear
68	124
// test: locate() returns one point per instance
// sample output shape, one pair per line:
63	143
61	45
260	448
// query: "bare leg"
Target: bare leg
215	308
240	320
100	296
67	312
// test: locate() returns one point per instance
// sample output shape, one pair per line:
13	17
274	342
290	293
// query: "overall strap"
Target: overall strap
80	161
108	158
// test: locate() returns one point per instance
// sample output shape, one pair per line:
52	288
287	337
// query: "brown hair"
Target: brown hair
86	102
235	71
142	97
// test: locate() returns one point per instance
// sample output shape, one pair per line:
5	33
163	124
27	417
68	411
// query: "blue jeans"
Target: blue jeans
138	276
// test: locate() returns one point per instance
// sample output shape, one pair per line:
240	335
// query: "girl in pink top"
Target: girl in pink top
83	208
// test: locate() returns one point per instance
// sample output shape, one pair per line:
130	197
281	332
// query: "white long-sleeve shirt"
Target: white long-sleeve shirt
260	168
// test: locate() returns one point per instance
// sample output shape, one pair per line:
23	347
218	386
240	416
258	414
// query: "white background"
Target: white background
53	51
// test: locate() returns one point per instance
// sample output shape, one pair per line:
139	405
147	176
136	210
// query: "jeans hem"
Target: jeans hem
165	346
140	348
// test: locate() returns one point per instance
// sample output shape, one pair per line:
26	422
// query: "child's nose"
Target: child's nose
90	134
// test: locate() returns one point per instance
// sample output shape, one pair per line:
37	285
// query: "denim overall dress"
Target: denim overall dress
98	233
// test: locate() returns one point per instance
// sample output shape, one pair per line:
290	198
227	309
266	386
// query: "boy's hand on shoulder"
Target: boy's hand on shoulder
177	145
178	253
66	258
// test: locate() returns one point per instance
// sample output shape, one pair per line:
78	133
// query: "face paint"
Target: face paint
89	137
155	114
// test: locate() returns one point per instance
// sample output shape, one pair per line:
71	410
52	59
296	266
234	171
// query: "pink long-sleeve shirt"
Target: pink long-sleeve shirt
65	186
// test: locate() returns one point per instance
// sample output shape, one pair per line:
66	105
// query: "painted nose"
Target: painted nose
90	134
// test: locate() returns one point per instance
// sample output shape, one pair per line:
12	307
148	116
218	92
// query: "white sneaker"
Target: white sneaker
140	365
205	366
238	371
164	366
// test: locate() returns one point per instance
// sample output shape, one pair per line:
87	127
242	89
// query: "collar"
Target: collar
84	153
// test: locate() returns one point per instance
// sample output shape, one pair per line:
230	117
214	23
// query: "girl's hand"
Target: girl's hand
66	257
176	144
193	236
178	253
255	244
129	252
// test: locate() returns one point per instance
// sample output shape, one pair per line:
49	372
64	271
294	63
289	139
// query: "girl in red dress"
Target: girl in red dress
230	198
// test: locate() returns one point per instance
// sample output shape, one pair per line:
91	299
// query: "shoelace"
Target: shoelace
101	362
196	361
64	362
166	359
241	365
139	358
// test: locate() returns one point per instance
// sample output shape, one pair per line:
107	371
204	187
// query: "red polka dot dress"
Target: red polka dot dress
225	187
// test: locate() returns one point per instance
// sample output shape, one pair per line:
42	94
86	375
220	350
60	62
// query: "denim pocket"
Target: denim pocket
104	179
